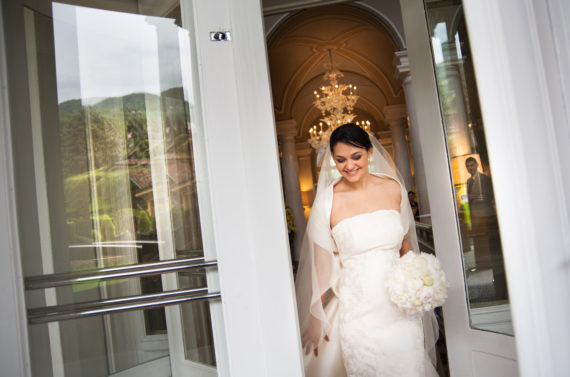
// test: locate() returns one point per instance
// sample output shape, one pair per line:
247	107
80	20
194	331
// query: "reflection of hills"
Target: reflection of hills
134	101
131	102
69	106
117	128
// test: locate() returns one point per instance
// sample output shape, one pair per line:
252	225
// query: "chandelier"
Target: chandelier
336	103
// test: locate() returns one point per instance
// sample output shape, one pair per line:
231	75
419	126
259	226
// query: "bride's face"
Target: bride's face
351	161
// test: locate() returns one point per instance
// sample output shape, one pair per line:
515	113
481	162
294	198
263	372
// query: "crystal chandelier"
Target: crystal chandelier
336	102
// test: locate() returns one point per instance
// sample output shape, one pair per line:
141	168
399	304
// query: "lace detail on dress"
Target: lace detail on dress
377	340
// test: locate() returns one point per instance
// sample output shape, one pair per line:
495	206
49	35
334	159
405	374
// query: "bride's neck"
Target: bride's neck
360	185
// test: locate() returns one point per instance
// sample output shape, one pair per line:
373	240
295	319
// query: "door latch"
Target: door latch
220	36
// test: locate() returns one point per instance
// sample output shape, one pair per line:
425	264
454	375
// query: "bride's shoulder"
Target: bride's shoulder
387	188
340	186
385	183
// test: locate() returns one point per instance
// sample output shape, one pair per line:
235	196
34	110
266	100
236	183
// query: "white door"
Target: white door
459	172
114	183
133	147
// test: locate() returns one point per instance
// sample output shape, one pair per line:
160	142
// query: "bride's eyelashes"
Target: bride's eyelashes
340	160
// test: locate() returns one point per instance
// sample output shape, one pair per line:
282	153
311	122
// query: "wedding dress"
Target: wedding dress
369	336
376	338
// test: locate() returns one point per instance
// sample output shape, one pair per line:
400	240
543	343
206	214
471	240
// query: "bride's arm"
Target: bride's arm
405	246
312	336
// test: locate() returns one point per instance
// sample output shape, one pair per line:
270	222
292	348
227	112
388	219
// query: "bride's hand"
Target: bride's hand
405	247
311	337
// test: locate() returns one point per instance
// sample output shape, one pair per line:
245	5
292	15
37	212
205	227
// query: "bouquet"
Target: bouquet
417	284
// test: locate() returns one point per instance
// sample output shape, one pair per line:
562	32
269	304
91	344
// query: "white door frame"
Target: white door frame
258	296
14	359
469	350
521	58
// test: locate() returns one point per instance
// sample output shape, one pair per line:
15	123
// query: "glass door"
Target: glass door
461	185
482	256
118	273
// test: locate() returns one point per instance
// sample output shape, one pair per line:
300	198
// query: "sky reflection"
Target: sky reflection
102	53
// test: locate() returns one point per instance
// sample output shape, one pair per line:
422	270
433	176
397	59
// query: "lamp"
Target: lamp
336	102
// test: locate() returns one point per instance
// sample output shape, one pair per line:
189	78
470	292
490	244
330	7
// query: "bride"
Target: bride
360	224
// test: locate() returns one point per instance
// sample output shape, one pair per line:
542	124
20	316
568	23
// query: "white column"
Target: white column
286	132
402	71
304	151
454	112
395	116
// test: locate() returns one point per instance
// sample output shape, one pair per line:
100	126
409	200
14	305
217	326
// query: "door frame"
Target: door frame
521	55
258	296
250	232
464	344
14	357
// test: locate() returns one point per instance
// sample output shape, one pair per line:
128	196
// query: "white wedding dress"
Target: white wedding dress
369	336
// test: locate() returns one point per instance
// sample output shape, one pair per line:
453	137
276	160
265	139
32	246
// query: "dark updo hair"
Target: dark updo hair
351	134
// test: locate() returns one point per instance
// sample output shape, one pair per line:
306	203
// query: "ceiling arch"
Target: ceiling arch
372	101
361	48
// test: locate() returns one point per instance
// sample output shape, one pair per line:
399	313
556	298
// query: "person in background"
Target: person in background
414	205
479	191
484	226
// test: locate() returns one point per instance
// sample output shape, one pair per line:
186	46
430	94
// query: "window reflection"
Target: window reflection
485	281
127	152
121	184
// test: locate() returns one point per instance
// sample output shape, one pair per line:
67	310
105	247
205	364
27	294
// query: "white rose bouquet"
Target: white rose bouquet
417	284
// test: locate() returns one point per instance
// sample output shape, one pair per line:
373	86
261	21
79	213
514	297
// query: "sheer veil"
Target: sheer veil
319	267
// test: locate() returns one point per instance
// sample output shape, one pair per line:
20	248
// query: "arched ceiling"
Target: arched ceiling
361	48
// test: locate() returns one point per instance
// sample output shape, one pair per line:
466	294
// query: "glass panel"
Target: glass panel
484	272
115	180
88	349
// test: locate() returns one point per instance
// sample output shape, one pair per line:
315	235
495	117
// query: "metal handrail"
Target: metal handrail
111	301
110	273
93	308
423	226
426	245
422	229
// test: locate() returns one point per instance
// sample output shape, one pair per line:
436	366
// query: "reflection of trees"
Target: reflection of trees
105	155
97	144
105	141
109	216
107	133
137	137
109	193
